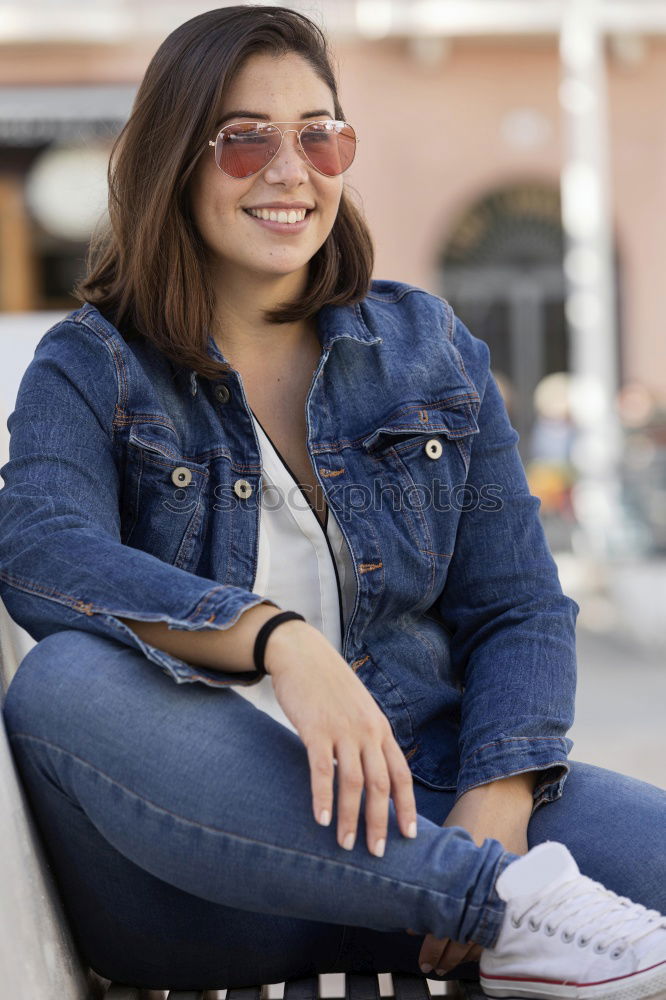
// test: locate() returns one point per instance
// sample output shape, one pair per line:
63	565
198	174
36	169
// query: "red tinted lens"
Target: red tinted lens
329	146
246	148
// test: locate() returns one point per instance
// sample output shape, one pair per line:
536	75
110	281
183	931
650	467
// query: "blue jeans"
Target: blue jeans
178	822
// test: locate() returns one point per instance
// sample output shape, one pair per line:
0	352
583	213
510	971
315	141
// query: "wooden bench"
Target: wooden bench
38	957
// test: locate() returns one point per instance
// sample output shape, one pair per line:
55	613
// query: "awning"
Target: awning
32	115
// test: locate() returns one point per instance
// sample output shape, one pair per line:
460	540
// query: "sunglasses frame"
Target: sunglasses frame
283	132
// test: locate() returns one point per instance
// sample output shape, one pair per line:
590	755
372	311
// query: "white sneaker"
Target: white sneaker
564	935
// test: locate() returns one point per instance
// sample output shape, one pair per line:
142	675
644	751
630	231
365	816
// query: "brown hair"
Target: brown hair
147	270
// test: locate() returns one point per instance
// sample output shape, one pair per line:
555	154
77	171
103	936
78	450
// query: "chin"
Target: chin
286	270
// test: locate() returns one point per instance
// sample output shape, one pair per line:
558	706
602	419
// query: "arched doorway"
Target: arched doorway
502	271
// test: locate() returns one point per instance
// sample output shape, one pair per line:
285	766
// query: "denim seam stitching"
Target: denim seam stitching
515	739
495	907
15	736
30	587
118	360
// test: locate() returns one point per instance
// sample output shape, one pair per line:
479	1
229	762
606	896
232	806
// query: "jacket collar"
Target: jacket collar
333	323
336	322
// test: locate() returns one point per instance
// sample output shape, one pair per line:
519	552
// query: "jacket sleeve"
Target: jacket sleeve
512	630
62	564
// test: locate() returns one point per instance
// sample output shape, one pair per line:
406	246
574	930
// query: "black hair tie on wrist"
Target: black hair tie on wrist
263	634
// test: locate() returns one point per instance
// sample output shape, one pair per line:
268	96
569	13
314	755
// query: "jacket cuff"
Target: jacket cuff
515	755
203	617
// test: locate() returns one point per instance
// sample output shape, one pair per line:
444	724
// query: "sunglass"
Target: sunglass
245	148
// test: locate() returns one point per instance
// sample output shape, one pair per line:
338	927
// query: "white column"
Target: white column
590	309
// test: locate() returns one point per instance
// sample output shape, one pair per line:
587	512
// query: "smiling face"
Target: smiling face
231	213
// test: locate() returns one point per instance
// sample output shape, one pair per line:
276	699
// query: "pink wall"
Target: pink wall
638	141
414	193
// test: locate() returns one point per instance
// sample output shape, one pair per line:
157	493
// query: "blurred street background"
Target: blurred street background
512	159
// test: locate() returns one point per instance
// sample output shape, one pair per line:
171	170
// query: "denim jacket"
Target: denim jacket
133	489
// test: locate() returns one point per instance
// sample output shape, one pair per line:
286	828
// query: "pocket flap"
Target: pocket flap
426	419
158	439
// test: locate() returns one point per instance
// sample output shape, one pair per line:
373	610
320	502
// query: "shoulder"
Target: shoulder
85	323
83	338
78	357
387	297
413	318
85	342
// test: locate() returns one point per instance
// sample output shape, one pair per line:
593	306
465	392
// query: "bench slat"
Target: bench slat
471	991
302	989
245	993
407	987
361	987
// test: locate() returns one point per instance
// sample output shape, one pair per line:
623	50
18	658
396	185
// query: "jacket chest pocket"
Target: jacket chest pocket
424	451
164	505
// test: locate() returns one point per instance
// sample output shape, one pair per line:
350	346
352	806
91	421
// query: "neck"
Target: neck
240	329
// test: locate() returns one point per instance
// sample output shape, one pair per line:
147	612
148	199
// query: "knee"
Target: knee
41	687
613	825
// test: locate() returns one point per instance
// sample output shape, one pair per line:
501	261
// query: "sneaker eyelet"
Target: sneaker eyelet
617	952
583	942
567	936
599	948
549	930
533	924
516	923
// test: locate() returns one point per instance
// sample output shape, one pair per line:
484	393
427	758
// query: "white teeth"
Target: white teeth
278	215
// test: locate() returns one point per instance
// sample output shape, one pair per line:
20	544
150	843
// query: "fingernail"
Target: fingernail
426	968
412	830
325	817
440	972
379	848
348	842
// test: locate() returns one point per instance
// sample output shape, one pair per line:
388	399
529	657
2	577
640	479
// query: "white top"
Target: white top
302	566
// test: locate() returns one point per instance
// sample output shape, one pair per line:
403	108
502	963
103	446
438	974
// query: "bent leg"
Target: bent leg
615	827
179	822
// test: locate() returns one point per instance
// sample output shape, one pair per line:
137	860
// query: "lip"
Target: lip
278	205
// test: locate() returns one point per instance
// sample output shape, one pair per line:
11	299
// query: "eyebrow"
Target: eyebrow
258	116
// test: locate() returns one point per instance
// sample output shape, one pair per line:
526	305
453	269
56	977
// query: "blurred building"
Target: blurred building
464	112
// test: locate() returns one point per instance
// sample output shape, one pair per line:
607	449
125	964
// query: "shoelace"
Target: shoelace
619	911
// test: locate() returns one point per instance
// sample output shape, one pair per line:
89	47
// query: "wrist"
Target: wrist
279	642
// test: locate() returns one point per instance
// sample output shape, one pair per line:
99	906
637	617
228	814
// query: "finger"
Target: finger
377	794
431	950
402	786
350	781
322	771
454	953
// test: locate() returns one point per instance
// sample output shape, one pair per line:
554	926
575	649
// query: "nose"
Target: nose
289	165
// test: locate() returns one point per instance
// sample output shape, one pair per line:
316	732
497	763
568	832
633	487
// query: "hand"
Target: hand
335	714
501	811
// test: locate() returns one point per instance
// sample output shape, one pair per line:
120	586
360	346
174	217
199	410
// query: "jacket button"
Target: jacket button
181	476
433	448
242	489
222	394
